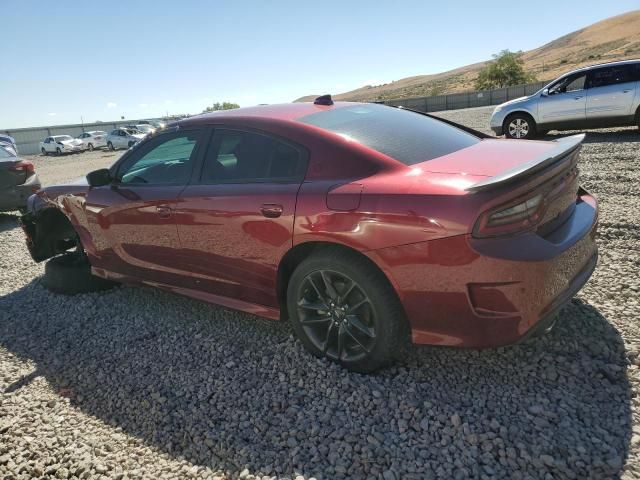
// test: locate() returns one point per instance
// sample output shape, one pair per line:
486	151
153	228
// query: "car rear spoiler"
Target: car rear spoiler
564	147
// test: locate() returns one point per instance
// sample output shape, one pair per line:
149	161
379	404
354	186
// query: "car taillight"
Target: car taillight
511	218
24	166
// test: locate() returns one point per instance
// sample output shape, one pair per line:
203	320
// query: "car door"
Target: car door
131	220
565	101
236	218
611	92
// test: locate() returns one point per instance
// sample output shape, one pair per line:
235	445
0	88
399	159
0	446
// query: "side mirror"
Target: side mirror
545	92
98	178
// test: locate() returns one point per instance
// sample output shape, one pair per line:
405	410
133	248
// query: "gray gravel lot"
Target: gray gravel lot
135	382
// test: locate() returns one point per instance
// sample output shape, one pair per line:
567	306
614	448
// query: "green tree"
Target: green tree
221	106
506	68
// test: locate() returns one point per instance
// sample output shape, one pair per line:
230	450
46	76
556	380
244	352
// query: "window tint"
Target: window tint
239	157
166	160
611	76
401	134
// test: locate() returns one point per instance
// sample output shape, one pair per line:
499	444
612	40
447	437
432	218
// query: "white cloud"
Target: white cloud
52	114
168	102
112	104
143	105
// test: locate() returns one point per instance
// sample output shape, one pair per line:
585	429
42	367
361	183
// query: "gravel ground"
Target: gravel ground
135	382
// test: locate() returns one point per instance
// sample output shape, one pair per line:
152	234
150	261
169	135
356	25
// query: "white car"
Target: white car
145	128
60	144
93	139
123	138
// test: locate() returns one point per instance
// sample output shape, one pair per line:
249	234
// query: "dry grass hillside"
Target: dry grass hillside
615	38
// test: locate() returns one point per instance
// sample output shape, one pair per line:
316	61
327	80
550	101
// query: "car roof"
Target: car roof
599	65
283	111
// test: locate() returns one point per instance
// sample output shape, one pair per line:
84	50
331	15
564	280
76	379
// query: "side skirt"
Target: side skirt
232	303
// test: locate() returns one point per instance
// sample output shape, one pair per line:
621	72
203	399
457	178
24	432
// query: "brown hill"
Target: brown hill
615	38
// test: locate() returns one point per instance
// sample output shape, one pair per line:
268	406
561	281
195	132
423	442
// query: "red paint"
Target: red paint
224	243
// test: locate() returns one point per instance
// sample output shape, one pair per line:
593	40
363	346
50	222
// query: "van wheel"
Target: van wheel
343	308
519	126
70	274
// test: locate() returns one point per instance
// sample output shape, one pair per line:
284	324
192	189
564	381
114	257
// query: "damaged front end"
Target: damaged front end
49	232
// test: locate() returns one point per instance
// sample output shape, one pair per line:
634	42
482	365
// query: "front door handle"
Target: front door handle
577	98
626	91
271	210
164	211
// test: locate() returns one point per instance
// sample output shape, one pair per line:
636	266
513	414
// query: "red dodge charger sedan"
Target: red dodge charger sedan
363	224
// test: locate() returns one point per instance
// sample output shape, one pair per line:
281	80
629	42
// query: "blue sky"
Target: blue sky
100	60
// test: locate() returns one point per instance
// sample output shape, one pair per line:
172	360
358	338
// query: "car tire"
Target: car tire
58	151
131	144
110	146
70	274
519	126
364	336
90	147
44	152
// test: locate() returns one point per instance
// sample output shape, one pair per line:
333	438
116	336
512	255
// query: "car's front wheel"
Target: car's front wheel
90	147
110	146
58	151
343	308
44	152
519	126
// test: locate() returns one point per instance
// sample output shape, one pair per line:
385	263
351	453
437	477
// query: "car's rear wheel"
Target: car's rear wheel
343	308
44	152
90	147
70	274
519	126
110	146
58	151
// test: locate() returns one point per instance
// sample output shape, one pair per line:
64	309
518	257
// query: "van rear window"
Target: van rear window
406	136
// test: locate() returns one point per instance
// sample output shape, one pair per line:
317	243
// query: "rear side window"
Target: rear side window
244	157
406	136
611	76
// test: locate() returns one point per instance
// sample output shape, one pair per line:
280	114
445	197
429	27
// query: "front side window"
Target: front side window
242	157
406	136
568	84
167	159
603	77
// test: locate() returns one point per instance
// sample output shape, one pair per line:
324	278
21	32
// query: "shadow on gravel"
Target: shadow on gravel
8	222
599	136
226	391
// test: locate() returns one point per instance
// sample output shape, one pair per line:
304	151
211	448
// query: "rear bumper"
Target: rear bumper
16	196
468	292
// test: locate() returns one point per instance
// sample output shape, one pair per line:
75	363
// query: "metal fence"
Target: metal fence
28	139
455	101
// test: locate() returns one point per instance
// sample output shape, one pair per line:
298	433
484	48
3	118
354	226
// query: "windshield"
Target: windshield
406	136
62	138
6	139
131	131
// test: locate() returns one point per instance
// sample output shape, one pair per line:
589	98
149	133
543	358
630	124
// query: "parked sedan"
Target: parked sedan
93	139
18	180
60	144
598	96
363	224
8	141
123	138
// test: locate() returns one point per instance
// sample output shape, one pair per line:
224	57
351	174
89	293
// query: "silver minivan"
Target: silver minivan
598	96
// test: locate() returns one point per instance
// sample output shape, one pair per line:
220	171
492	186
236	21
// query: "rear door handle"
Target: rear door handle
626	91
271	210
164	211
